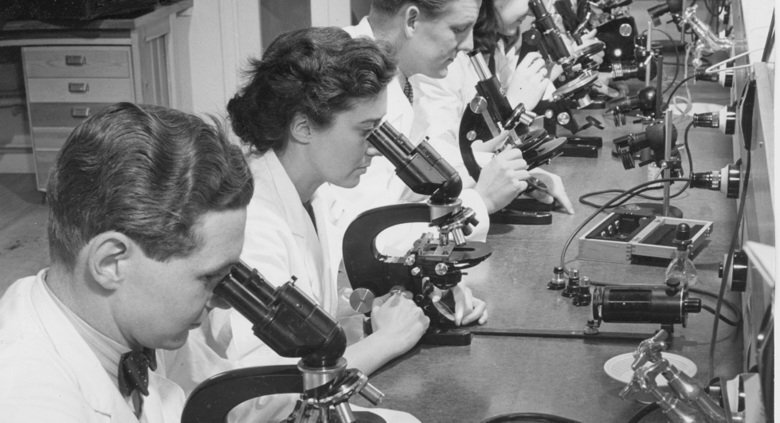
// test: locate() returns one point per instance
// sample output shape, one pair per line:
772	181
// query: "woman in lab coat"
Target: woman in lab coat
305	114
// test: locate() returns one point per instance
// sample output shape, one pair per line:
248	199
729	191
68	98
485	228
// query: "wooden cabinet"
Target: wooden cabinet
70	73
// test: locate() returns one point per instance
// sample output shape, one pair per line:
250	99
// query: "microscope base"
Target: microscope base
521	217
454	336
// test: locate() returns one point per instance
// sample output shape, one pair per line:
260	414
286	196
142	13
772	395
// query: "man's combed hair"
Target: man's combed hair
431	8
316	72
145	171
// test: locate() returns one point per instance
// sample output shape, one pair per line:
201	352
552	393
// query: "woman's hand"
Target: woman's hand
502	179
590	38
467	307
395	316
555	187
528	82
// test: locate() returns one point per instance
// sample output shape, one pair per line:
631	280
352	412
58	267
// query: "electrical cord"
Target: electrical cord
725	319
677	87
676	58
529	417
734	309
644	412
727	267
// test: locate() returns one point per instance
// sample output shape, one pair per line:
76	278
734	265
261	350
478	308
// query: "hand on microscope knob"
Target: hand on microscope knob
588	39
468	308
529	82
492	144
554	190
502	179
396	318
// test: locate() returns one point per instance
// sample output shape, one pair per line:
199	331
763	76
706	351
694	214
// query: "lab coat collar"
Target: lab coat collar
314	241
291	200
95	384
363	28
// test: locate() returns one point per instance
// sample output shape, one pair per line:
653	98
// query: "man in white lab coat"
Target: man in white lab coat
148	207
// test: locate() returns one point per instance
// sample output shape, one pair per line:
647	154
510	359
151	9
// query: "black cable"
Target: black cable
729	263
734	309
629	192
677	87
725	319
583	197
676	58
644	412
529	417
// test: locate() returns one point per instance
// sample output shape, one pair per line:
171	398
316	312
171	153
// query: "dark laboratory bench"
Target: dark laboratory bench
497	375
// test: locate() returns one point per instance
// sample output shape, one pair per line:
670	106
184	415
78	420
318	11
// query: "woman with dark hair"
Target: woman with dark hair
304	115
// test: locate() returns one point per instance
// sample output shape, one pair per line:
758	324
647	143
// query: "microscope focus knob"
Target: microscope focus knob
739	271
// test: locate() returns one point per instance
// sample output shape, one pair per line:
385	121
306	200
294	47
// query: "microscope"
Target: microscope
578	66
644	102
673	7
487	115
686	400
578	75
435	262
293	325
647	147
615	28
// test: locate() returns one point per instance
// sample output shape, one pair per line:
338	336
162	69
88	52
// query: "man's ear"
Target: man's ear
108	257
301	129
411	19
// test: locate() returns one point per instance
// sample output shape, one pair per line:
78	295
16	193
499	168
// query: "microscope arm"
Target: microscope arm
378	273
212	400
293	325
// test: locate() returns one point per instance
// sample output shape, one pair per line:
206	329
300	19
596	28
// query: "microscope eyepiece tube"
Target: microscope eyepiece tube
240	297
551	36
479	65
392	144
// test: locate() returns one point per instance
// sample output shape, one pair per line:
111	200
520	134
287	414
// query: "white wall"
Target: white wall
221	35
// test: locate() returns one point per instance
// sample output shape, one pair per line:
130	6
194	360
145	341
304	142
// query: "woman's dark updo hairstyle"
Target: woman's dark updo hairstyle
486	28
318	72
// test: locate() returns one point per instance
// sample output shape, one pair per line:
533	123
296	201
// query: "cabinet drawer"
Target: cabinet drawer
79	90
44	161
62	114
68	61
49	138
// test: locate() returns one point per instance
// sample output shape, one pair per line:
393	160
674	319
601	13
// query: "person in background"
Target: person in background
442	101
427	36
147	213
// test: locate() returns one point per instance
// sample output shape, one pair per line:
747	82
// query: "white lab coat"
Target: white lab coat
50	374
380	186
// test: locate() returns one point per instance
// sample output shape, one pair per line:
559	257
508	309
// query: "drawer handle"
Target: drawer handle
78	87
79	112
75	60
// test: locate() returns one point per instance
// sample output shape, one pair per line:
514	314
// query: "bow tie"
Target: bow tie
134	371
